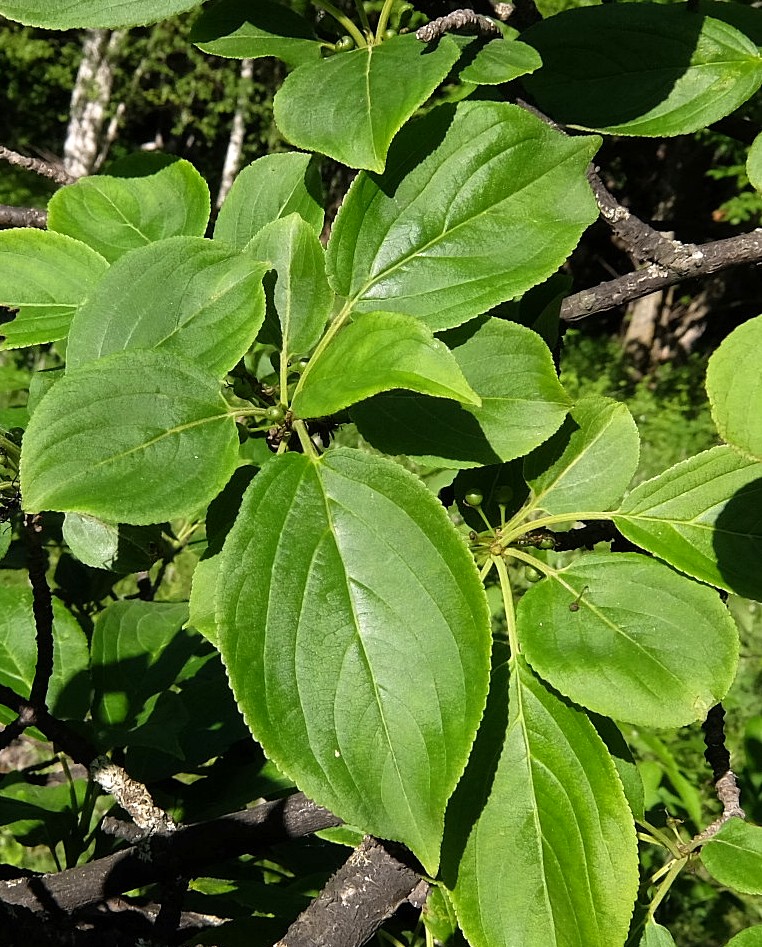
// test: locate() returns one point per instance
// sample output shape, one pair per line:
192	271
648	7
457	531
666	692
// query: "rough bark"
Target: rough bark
368	888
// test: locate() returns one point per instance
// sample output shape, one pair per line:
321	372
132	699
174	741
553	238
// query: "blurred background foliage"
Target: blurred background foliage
652	355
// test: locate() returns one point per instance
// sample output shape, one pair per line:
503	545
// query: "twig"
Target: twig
158	857
462	21
42	606
45	168
132	796
76	746
643	242
22	217
364	892
689	261
725	785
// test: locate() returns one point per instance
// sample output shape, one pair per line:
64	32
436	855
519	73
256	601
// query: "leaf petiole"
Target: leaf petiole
343	20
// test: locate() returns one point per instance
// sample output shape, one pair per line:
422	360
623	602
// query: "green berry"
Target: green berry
503	495
276	413
344	44
474	498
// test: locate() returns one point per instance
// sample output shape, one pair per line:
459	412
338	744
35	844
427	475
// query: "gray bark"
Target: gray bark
90	98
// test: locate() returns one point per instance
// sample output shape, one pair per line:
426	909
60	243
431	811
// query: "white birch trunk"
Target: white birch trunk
237	132
90	98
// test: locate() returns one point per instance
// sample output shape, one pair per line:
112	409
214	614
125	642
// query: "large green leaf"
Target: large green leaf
351	105
112	546
499	61
100	14
137	437
239	29
116	215
751	937
704	516
271	187
478	204
377	352
298	295
625	636
734	385
654	935
589	462
336	572
69	689
734	856
641	68
541	848
185	295
523	403
46	276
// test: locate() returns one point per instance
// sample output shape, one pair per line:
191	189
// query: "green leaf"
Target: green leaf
746	20
500	61
478	204
734	856
116	215
335	571
379	351
702	516
137	437
69	690
46	276
751	937
589	462
111	546
220	517
98	14
300	301
674	70
734	385
523	403
629	638
6	535
351	105
269	188
654	935
534	867
754	163
186	296
238	29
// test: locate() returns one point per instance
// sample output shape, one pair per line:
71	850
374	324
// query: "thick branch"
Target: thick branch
45	168
364	892
22	217
689	261
162	857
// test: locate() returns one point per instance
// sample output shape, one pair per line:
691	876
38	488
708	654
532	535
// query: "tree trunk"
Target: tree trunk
237	131
90	99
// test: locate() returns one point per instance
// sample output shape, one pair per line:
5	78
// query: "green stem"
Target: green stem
304	439
383	19
662	838
342	20
674	871
530	560
323	344
283	374
510	614
512	531
485	570
360	7
13	451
